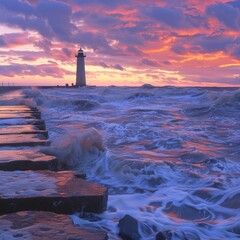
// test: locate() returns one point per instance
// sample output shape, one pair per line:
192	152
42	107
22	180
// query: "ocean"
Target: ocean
169	156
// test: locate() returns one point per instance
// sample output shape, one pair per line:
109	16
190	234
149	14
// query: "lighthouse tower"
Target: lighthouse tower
80	76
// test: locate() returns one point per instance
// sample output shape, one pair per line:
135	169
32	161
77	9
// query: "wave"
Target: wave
138	95
34	97
198	111
77	151
85	105
228	99
215	105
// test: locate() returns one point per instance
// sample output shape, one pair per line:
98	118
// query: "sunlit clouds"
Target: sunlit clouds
128	43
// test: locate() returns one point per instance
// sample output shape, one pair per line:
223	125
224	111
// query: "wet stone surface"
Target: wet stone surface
21	121
60	192
14	108
14	140
22	129
8	112
26	159
7	115
44	226
40	190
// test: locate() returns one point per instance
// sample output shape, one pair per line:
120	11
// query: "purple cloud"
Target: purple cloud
226	13
150	63
174	17
49	18
2	42
104	65
43	70
208	44
134	50
106	4
118	67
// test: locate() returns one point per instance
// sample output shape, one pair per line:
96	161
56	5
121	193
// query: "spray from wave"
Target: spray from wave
78	151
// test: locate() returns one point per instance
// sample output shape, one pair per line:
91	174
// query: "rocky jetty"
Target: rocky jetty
31	183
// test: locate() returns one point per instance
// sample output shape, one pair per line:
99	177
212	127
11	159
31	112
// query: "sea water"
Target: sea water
169	156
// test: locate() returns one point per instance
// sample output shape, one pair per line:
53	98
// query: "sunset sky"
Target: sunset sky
127	42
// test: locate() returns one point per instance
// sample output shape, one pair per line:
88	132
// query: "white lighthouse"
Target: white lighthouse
80	76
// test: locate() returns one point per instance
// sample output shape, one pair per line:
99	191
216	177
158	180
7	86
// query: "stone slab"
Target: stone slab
21	121
59	192
16	140
26	159
12	110
41	126
44	226
16	115
17	108
21	129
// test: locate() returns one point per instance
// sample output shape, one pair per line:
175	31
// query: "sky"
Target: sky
127	42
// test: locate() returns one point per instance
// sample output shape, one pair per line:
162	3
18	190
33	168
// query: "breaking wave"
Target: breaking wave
140	95
228	99
77	151
33	97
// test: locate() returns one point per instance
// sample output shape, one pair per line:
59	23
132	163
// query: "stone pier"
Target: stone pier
33	194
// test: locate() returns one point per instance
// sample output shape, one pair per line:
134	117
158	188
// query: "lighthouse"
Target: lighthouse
80	75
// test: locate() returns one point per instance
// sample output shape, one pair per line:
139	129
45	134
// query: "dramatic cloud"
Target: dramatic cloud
104	65
208	44
127	42
226	13
150	62
174	17
44	70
